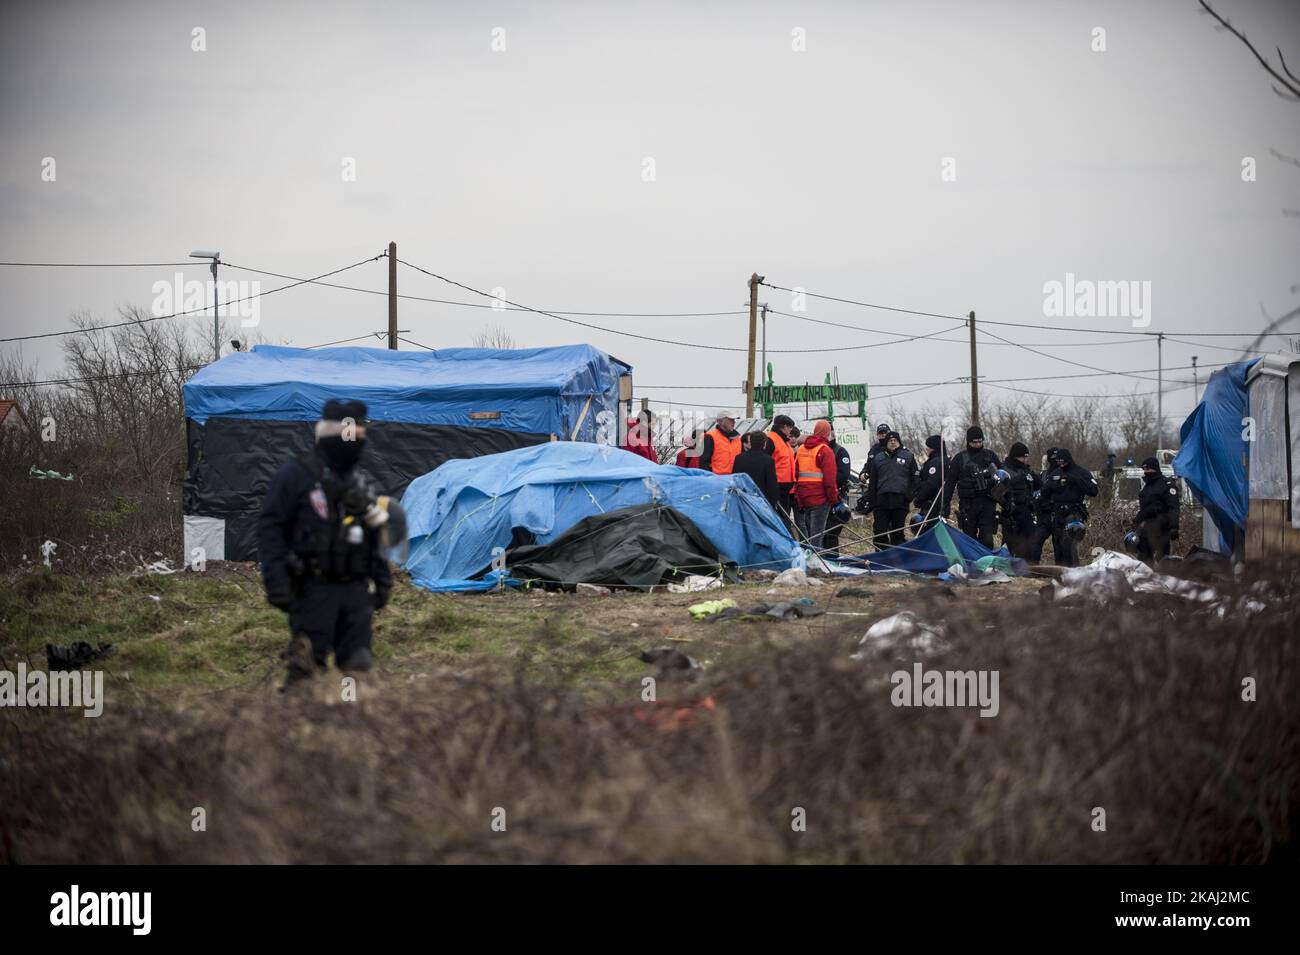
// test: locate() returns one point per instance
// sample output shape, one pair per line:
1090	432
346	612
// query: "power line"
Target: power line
650	338
103	265
191	311
985	321
475	304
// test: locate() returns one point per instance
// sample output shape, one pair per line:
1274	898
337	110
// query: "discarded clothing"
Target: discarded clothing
710	607
75	656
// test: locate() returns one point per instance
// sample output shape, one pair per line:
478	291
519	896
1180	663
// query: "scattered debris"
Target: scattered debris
791	610
694	583
1116	576
40	475
976	578
794	577
62	656
669	658
709	607
854	592
902	630
163	566
591	590
47	551
764	574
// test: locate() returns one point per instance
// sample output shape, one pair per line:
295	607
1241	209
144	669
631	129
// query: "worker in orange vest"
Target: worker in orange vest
721	445
783	457
815	488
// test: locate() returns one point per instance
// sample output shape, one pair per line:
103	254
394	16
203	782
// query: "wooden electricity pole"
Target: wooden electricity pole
392	296
974	377
753	335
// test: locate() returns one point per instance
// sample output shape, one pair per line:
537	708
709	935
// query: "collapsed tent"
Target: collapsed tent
640	546
251	411
934	552
466	513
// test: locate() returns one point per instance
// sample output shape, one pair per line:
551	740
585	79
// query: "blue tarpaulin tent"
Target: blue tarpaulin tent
460	513
1213	449
251	411
933	552
560	391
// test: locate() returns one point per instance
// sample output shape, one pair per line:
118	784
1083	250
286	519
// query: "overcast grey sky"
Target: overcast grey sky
523	169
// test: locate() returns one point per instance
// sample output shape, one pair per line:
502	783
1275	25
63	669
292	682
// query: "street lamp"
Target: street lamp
216	322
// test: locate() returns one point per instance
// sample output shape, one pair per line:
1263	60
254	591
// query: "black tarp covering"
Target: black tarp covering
640	546
232	461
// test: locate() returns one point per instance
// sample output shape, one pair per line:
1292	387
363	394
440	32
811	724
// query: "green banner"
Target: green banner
797	394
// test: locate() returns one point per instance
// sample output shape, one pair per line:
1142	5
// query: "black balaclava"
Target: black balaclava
1017	451
1065	456
974	433
1148	466
340	454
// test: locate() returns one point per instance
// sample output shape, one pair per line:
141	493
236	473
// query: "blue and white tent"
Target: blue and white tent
460	514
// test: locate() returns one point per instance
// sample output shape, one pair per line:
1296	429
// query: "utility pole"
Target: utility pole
216	293
974	377
1196	384
1160	389
753	333
763	367
392	296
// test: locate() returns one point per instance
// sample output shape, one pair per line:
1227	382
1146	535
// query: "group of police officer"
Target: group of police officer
325	535
1029	506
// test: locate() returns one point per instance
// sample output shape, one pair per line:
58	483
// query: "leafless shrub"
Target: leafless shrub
1138	710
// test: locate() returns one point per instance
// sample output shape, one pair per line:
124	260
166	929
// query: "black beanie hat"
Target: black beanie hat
895	436
1017	450
934	442
336	409
974	433
1151	463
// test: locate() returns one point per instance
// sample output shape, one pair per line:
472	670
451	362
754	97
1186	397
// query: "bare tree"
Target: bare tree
494	336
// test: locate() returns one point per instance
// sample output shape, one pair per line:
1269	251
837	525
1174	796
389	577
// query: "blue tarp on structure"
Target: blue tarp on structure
1213	450
932	553
538	390
459	513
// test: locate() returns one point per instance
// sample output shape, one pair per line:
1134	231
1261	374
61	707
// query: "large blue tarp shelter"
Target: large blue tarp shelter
460	514
251	411
560	391
1213	448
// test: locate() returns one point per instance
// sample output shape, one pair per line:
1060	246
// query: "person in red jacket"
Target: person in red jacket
640	436
815	487
689	456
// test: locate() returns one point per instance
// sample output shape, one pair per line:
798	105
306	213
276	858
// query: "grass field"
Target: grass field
527	709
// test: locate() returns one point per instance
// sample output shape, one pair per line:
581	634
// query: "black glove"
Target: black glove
279	594
380	598
1173	534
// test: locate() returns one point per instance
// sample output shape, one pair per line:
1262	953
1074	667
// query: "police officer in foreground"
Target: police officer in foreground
929	497
974	476
1020	531
1064	488
324	537
1157	516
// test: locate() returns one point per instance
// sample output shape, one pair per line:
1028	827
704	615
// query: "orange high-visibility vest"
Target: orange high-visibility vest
783	457
806	463
725	451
